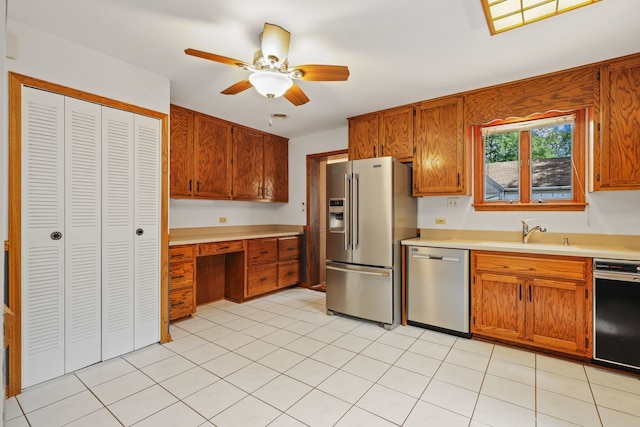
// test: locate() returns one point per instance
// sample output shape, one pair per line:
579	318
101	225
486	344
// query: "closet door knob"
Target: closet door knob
139	232
56	235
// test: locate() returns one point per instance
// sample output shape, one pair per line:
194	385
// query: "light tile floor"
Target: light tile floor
280	361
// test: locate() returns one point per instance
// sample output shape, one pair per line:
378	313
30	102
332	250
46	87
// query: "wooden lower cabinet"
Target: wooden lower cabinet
235	270
182	281
535	300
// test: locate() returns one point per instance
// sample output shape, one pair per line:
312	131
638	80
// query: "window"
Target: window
531	164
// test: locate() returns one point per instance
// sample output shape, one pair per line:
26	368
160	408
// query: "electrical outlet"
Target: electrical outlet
222	219
441	221
452	202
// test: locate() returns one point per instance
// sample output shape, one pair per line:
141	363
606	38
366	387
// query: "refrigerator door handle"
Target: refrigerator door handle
347	212
369	273
356	213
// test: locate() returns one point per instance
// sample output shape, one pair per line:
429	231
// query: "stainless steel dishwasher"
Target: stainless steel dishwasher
438	294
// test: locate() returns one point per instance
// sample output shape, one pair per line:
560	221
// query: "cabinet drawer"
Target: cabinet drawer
262	279
288	273
220	247
262	251
180	275
181	253
288	248
574	268
181	303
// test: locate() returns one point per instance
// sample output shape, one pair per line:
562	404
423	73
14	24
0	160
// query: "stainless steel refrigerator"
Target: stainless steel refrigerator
369	211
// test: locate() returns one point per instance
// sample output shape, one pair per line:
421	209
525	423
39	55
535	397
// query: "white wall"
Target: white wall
50	58
609	212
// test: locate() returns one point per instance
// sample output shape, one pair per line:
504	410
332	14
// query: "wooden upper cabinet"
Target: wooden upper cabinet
276	168
202	149
181	153
616	157
384	133
396	133
248	163
260	166
441	161
363	137
212	157
200	160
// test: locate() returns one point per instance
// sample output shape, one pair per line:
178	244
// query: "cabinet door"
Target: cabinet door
617	159
212	157
363	137
118	232
248	163
146	231
181	154
42	253
439	164
498	306
83	218
276	168
396	133
556	315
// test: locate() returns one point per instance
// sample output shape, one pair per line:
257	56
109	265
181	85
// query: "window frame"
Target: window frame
581	133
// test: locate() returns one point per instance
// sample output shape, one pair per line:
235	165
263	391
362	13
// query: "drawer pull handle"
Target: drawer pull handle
264	252
262	279
177	256
223	247
177	304
291	273
177	277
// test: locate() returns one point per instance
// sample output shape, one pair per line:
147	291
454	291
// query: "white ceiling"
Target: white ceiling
398	51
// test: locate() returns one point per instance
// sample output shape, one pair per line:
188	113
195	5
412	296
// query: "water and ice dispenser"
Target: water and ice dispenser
336	215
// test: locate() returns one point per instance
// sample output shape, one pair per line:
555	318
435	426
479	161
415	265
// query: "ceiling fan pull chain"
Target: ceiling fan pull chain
270	115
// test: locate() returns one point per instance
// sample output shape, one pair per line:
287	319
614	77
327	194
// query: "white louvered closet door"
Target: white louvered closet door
117	232
82	233
43	235
147	223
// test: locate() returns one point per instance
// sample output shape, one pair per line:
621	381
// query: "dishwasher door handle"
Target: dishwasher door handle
436	257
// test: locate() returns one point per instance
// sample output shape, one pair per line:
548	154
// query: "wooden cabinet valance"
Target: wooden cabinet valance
566	90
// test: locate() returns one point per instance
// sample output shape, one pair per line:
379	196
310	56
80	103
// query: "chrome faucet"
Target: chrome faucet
526	233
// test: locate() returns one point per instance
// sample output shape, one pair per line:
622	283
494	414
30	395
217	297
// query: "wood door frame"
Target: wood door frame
14	330
313	214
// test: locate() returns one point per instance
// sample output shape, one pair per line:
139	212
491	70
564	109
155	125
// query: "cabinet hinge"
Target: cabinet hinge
598	177
458	179
474	320
598	76
598	127
586	342
586	293
414	112
414	150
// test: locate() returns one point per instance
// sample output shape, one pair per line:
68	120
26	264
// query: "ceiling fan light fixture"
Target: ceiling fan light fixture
270	84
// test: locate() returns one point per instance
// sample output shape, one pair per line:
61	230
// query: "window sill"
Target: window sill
549	206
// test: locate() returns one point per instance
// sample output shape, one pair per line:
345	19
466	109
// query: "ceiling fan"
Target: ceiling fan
271	74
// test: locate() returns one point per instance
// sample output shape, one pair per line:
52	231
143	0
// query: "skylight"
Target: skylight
503	15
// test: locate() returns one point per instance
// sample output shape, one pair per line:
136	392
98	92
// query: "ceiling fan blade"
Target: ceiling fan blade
217	58
275	43
296	96
321	73
237	87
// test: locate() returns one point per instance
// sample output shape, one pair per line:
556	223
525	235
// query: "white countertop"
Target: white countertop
612	252
225	237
